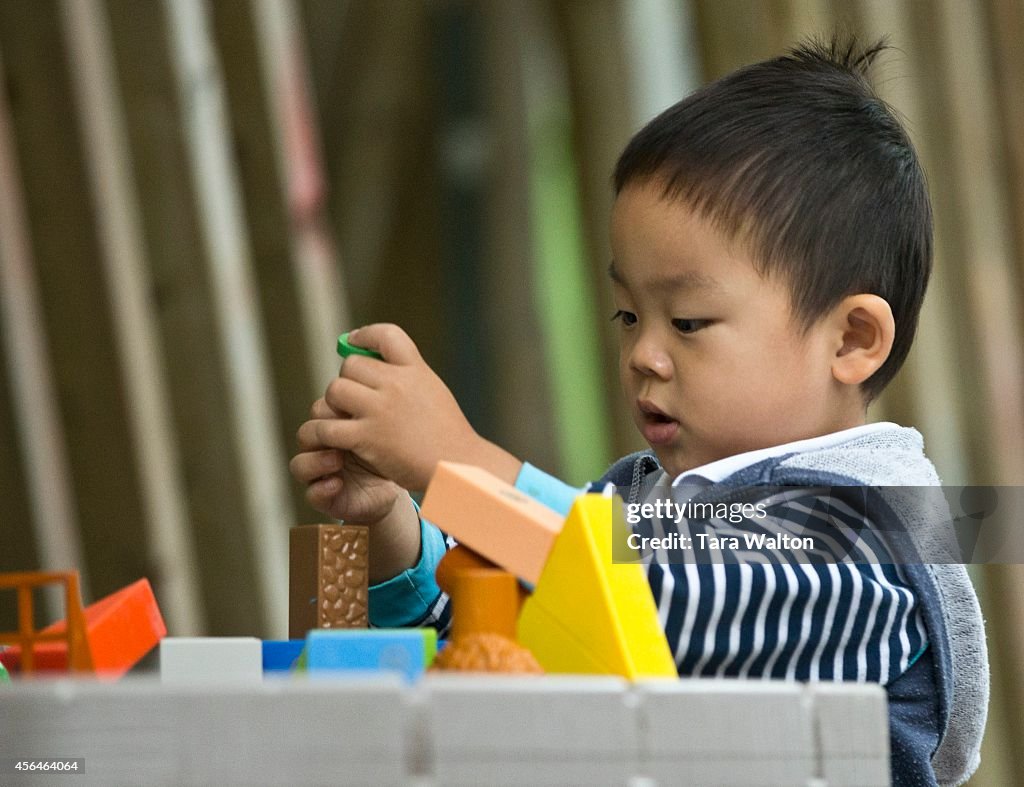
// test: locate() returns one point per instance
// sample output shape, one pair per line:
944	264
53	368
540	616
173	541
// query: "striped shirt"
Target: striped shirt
781	613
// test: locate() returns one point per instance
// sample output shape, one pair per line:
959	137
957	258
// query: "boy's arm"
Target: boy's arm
411	596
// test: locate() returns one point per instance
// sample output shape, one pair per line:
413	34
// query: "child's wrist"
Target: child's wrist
396	540
494	459
374	520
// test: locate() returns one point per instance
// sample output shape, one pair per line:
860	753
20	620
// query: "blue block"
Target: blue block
279	655
407	651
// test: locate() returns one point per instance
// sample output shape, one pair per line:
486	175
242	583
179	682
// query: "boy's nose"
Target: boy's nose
649	360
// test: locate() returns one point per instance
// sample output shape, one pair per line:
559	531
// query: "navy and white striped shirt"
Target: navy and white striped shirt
777	613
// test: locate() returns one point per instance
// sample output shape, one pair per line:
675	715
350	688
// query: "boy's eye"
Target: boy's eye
689	325
627	318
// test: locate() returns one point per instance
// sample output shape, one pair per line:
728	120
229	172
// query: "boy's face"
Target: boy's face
710	359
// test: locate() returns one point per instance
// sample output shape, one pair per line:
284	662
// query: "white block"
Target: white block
466	772
852	727
211	660
327	732
529	730
726	732
146	732
117	729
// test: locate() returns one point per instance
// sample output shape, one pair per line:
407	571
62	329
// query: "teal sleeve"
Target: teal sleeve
405	598
556	495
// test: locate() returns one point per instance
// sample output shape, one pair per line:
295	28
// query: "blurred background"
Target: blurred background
197	197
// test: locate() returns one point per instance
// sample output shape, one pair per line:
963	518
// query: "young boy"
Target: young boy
771	241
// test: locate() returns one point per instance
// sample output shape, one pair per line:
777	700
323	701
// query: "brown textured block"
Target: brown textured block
327	578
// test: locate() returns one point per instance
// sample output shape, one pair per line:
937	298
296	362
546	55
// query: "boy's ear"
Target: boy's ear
865	331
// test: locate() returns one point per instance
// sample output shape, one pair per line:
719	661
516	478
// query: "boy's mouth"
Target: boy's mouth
657	427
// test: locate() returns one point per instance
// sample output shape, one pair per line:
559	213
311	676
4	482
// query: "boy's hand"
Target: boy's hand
398	417
337	483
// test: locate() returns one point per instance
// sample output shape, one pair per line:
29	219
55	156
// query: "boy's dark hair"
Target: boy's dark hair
799	158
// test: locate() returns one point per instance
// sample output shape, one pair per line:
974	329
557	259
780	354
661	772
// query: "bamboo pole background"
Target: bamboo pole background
214	165
36	479
169	538
196	196
76	319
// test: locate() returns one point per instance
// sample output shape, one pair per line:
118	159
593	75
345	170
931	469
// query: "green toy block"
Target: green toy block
345	349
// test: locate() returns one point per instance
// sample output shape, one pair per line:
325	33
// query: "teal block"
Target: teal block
407	651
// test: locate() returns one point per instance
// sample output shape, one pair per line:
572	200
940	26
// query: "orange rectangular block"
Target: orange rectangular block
492	518
119	629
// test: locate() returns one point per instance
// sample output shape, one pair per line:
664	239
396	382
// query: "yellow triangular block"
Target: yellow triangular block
589	615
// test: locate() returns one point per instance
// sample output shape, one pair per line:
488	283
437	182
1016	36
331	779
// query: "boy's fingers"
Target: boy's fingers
321	409
348	397
366	371
389	340
325	433
306	437
320	494
311	465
